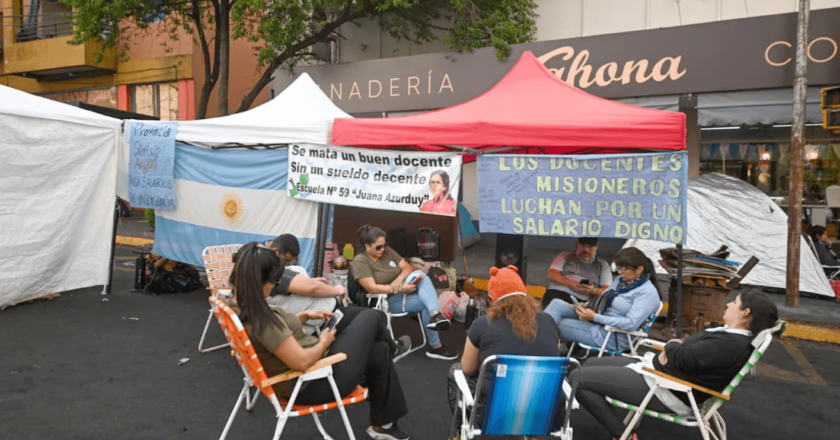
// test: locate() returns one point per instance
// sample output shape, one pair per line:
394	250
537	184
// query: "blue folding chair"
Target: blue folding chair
522	398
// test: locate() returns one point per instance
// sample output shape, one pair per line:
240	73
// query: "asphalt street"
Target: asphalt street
86	366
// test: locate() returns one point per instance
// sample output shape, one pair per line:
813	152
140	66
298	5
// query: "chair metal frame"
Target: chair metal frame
243	351
702	416
218	263
469	399
380	302
634	337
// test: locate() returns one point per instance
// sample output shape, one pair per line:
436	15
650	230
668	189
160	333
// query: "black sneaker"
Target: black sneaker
438	322
403	345
441	353
392	433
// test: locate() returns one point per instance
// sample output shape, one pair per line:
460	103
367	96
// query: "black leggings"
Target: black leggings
608	376
363	335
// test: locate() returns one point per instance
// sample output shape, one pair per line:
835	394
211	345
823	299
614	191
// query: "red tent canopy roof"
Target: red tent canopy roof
529	107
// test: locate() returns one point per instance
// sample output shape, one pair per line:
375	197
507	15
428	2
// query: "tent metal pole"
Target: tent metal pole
107	290
318	268
679	291
326	222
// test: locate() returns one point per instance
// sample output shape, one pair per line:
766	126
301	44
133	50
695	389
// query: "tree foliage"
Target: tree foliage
284	31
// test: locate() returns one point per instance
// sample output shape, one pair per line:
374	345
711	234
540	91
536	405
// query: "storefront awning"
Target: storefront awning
768	107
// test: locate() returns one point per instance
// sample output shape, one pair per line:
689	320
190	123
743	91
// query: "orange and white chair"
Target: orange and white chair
218	263
244	352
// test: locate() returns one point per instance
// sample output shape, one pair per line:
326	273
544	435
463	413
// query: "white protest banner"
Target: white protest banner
377	179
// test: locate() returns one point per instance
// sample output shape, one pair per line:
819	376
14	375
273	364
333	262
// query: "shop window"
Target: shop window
767	166
158	100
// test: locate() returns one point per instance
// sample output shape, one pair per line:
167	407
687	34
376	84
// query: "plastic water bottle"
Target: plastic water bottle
348	252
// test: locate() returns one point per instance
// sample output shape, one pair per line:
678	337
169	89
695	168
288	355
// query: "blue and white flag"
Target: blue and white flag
232	197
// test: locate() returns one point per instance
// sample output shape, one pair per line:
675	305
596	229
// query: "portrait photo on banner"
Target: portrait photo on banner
612	196
378	179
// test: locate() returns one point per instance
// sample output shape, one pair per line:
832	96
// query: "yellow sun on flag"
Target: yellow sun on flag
231	208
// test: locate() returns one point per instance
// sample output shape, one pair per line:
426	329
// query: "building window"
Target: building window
158	100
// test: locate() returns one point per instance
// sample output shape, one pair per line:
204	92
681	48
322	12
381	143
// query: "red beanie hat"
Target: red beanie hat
504	281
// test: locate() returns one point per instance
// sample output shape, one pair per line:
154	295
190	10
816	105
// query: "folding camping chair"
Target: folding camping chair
244	352
380	302
634	337
522	398
832	272
218	263
701	415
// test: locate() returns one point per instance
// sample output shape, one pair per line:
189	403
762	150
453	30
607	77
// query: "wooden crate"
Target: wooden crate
708	301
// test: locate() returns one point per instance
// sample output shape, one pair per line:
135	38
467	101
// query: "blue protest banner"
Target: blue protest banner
620	196
151	165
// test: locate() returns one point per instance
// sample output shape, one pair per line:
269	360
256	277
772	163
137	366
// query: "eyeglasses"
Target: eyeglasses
620	268
380	247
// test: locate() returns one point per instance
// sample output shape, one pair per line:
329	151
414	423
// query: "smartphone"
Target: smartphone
585	282
575	300
334	320
414	277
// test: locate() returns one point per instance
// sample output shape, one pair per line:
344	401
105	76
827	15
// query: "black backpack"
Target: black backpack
355	291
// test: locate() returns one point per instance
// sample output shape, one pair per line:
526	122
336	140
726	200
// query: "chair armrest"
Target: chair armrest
610	328
466	394
653	343
685	383
325	362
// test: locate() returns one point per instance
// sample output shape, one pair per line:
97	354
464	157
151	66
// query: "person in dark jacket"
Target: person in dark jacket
820	238
710	359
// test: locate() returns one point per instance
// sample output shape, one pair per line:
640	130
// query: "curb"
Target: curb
810	332
127	240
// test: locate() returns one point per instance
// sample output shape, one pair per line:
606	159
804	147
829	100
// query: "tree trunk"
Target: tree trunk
224	55
797	145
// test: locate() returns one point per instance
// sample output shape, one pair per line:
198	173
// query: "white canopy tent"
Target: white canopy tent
725	210
206	176
57	206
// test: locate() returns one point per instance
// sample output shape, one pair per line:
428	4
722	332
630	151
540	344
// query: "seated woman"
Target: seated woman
820	238
513	325
710	359
627	303
282	345
381	270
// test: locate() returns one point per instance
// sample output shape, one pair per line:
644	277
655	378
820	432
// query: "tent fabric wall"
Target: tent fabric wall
57	204
725	210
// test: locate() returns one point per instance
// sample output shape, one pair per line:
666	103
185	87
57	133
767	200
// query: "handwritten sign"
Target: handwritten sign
620	196
151	165
377	179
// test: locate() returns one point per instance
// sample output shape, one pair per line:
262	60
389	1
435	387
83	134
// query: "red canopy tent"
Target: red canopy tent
529	107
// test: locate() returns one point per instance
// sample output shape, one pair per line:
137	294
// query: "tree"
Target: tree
284	31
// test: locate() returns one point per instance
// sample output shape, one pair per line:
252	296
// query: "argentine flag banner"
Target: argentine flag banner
232	197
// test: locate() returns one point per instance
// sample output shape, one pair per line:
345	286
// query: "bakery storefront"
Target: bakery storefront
733	79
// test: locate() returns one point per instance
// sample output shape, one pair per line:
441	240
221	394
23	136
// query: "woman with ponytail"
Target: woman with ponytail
282	345
631	298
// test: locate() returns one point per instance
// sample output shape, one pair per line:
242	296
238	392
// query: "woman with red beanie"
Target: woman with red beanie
514	325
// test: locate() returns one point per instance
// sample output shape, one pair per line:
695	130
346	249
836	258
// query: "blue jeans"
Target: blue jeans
424	301
572	329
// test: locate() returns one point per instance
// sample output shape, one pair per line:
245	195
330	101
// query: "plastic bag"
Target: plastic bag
448	303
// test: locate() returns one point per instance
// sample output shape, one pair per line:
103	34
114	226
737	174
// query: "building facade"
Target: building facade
727	64
160	77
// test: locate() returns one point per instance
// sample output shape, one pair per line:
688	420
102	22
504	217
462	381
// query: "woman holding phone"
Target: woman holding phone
282	345
630	300
381	270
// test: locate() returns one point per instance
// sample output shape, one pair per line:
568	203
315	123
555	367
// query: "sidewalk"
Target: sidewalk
816	319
